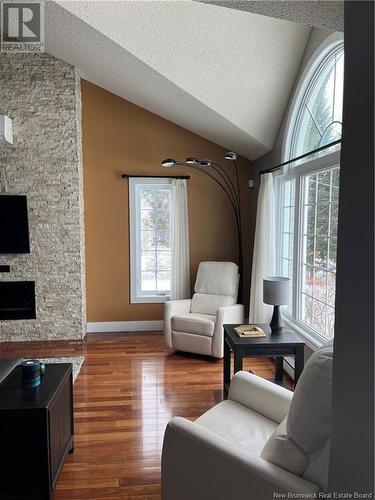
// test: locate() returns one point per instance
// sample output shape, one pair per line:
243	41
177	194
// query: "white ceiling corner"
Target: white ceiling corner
222	73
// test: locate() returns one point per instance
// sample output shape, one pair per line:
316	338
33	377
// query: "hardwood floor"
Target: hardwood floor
127	390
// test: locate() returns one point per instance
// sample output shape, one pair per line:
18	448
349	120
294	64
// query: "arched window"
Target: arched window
319	117
307	196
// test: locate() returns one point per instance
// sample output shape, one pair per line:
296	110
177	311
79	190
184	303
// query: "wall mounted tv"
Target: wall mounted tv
14	226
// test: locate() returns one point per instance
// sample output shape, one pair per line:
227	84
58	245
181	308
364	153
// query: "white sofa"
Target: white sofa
196	325
262	441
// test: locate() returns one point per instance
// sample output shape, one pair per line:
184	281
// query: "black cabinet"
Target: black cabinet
36	433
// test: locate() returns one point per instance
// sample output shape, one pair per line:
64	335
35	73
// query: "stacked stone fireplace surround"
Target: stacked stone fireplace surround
42	96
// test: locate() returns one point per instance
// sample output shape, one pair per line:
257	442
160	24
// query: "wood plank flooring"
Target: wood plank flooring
128	388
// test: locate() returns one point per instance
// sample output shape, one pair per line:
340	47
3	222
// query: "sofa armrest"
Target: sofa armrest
260	395
198	464
225	314
172	307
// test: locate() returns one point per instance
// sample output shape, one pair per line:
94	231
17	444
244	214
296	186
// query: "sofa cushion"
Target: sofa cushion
187	342
206	303
309	417
317	468
283	451
248	430
220	278
199	324
300	443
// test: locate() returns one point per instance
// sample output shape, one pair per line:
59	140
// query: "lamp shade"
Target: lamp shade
206	163
191	160
231	155
276	290
169	162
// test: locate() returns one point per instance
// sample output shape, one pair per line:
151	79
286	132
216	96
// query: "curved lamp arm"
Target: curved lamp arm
238	187
234	206
231	189
229	186
237	214
224	174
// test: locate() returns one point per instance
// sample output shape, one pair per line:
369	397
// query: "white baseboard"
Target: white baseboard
124	326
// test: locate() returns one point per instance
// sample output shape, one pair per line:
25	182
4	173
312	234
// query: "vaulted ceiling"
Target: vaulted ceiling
222	73
326	14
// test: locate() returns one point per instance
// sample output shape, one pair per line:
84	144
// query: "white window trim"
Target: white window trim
330	43
134	242
317	165
313	338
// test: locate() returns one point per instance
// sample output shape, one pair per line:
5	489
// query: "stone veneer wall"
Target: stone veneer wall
42	96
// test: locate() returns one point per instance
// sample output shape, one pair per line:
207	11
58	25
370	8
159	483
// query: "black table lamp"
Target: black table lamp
276	293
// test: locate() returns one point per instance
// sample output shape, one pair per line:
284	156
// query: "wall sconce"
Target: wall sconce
6	130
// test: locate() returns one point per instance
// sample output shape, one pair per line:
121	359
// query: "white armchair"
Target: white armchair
261	441
196	325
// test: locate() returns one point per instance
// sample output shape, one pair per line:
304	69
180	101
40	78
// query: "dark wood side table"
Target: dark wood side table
277	345
36	433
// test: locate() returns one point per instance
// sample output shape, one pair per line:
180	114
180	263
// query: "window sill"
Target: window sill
150	299
310	341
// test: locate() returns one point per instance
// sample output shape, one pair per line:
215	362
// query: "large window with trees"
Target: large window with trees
307	197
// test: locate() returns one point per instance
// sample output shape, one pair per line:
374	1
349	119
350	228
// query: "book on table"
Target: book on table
249	331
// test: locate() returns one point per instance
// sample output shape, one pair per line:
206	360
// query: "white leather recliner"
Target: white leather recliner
196	325
262	441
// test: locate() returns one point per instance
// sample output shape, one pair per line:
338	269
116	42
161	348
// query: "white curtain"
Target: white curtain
264	250
180	279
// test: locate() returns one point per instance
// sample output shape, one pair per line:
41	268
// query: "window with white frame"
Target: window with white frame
307	198
150	239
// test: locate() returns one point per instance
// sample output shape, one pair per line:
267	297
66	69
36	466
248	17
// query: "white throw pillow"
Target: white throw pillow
282	451
297	442
309	417
317	468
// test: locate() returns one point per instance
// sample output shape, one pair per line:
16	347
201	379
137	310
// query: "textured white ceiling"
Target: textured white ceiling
326	14
222	73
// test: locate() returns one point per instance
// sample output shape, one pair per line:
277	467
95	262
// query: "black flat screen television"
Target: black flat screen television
14	226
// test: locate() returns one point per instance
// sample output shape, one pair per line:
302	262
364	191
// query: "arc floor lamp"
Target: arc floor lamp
230	186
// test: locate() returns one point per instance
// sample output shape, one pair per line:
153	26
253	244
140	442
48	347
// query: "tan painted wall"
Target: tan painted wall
119	136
